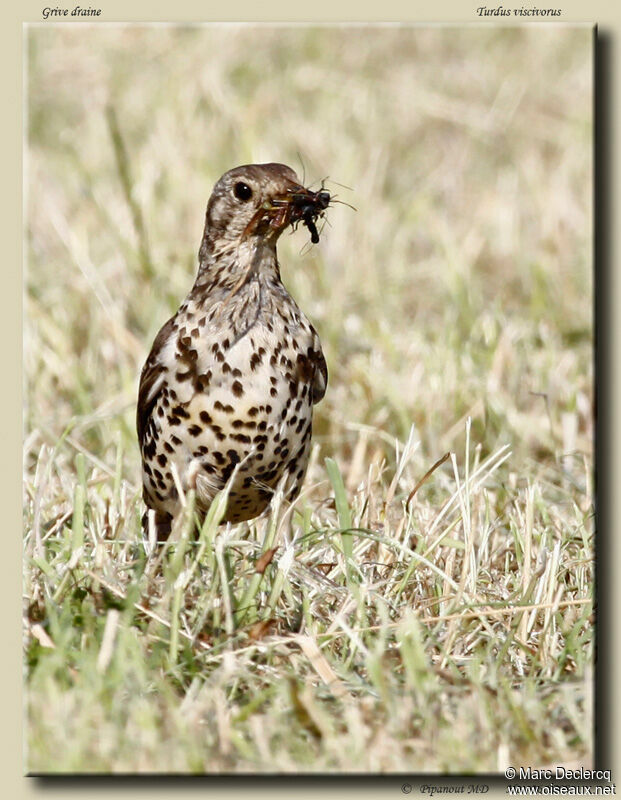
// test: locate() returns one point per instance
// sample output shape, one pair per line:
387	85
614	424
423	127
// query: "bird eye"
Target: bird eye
242	192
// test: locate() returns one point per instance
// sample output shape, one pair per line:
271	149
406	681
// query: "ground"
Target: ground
386	622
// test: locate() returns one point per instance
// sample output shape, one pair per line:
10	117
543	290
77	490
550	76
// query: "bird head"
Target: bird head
260	201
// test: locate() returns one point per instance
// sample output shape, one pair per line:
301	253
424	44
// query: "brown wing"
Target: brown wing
320	378
320	368
312	370
151	380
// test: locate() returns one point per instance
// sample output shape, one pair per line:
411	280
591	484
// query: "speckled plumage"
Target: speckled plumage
232	378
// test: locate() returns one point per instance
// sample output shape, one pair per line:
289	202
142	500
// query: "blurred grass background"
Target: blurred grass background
460	289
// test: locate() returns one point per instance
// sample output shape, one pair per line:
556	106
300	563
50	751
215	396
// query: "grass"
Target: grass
369	627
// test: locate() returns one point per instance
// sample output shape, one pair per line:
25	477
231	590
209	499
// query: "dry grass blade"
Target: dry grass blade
426	477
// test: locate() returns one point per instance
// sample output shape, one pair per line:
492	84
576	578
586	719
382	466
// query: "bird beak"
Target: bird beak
294	204
287	208
298	203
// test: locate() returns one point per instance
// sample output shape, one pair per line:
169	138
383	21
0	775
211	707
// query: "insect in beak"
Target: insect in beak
309	207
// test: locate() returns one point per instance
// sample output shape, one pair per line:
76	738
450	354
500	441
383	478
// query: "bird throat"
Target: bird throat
230	267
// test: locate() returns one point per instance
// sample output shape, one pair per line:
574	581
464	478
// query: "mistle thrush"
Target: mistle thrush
232	377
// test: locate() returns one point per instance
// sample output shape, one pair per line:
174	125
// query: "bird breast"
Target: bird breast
242	391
